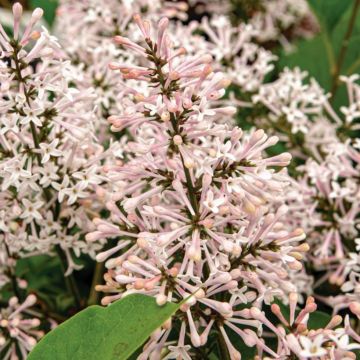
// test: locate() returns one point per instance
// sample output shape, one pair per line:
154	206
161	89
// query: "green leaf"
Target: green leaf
329	12
311	55
110	333
43	274
318	319
320	55
351	61
49	7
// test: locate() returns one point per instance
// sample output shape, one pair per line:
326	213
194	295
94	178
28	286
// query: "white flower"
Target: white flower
312	347
179	352
48	150
14	173
75	192
214	204
61	187
48	174
31	210
202	110
32	115
351	113
342	341
88	176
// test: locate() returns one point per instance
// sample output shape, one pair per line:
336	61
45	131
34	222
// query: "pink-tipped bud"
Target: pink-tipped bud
37	15
275	308
165	116
177	140
163	24
17	11
35	35
120	40
200	294
139	284
161	299
256	313
295	265
355	308
334	322
142	243
167	324
30	300
174	75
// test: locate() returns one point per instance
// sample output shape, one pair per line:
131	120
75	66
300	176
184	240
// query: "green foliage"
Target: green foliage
316	61
329	12
49	7
319	55
102	333
44	277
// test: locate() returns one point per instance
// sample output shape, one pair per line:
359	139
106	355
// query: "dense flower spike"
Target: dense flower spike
195	217
245	62
95	23
326	187
289	98
48	157
274	20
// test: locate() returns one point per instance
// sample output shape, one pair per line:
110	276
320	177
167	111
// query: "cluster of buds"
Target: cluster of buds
243	61
296	338
95	23
195	208
49	158
19	331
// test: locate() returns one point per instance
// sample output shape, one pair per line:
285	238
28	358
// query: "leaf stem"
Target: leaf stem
344	47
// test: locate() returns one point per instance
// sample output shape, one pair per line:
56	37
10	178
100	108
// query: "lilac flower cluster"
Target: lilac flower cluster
19	328
49	160
201	209
326	186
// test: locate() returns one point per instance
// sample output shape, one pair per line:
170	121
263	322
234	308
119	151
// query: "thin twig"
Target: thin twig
12	276
97	278
344	47
223	350
70	280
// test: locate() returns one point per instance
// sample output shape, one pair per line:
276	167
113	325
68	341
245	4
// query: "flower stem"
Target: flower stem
70	280
223	350
12	276
344	47
97	278
190	188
